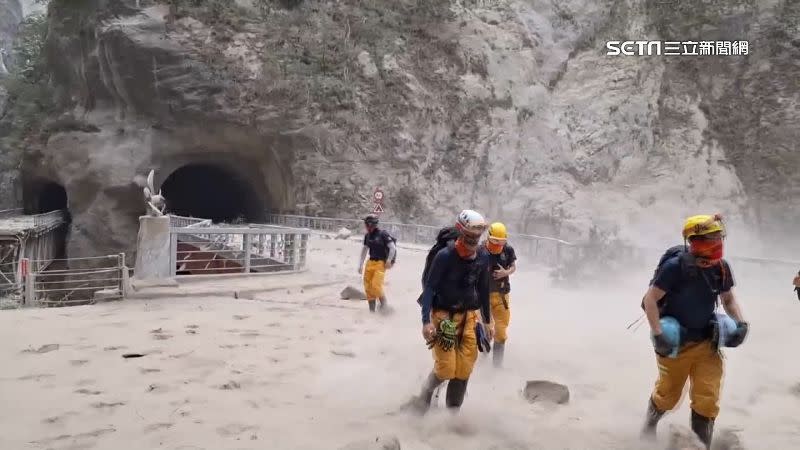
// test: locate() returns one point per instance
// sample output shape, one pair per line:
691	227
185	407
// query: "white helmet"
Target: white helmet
471	222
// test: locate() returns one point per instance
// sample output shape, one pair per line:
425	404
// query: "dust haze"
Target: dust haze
300	368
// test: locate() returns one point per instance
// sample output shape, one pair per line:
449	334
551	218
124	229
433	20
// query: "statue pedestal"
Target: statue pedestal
152	249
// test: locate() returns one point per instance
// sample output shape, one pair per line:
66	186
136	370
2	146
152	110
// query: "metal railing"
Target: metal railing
48	219
543	249
182	221
10	212
231	250
10	286
56	286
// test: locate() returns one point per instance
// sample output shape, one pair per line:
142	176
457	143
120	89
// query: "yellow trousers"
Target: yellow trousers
374	272
501	315
458	361
703	366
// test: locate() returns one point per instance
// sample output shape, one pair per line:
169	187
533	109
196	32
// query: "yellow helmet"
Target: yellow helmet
498	231
703	224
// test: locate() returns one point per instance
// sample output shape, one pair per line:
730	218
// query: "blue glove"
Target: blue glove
742	328
662	346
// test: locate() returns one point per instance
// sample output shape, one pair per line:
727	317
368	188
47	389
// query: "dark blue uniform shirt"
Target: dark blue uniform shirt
378	243
692	300
457	284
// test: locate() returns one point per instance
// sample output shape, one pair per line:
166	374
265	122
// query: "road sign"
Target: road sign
378	196
378	208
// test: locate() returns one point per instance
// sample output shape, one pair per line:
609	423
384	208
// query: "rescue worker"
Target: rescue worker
380	246
502	263
688	286
457	285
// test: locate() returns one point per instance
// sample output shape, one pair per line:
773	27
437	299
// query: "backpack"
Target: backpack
688	265
443	238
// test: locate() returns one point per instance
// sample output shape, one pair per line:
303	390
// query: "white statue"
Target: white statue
155	202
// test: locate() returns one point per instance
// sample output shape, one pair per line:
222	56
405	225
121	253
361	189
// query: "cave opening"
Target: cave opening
211	191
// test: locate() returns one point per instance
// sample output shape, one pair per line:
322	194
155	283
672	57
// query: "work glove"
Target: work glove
737	338
662	346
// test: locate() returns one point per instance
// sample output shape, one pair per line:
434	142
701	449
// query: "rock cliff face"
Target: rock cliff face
511	107
10	17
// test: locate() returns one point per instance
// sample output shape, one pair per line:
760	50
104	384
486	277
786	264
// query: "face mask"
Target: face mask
708	249
465	250
494	248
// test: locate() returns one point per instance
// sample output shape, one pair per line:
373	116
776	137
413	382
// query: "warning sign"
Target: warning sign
378	196
378	208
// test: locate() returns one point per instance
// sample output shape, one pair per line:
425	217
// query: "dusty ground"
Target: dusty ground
300	369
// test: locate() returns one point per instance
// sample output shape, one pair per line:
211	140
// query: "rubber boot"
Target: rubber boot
455	393
371	305
383	306
423	402
651	420
498	350
703	427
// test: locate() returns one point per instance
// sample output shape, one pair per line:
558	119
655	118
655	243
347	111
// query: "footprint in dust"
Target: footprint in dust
88	392
157	388
43	349
159	335
74	438
240	317
345	353
105	405
79	362
35	376
192	327
55	420
157	426
229	386
235	429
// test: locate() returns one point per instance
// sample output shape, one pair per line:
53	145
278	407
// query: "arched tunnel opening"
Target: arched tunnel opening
213	192
46	196
52	197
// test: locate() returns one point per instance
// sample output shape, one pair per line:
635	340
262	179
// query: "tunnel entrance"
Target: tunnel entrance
213	192
52	196
46	196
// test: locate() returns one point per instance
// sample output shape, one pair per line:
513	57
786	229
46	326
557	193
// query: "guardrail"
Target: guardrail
10	212
543	249
230	250
183	221
48	219
10	287
74	286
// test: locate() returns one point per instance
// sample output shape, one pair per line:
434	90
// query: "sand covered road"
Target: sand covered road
302	369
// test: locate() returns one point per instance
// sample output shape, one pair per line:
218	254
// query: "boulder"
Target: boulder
343	233
351	293
538	391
